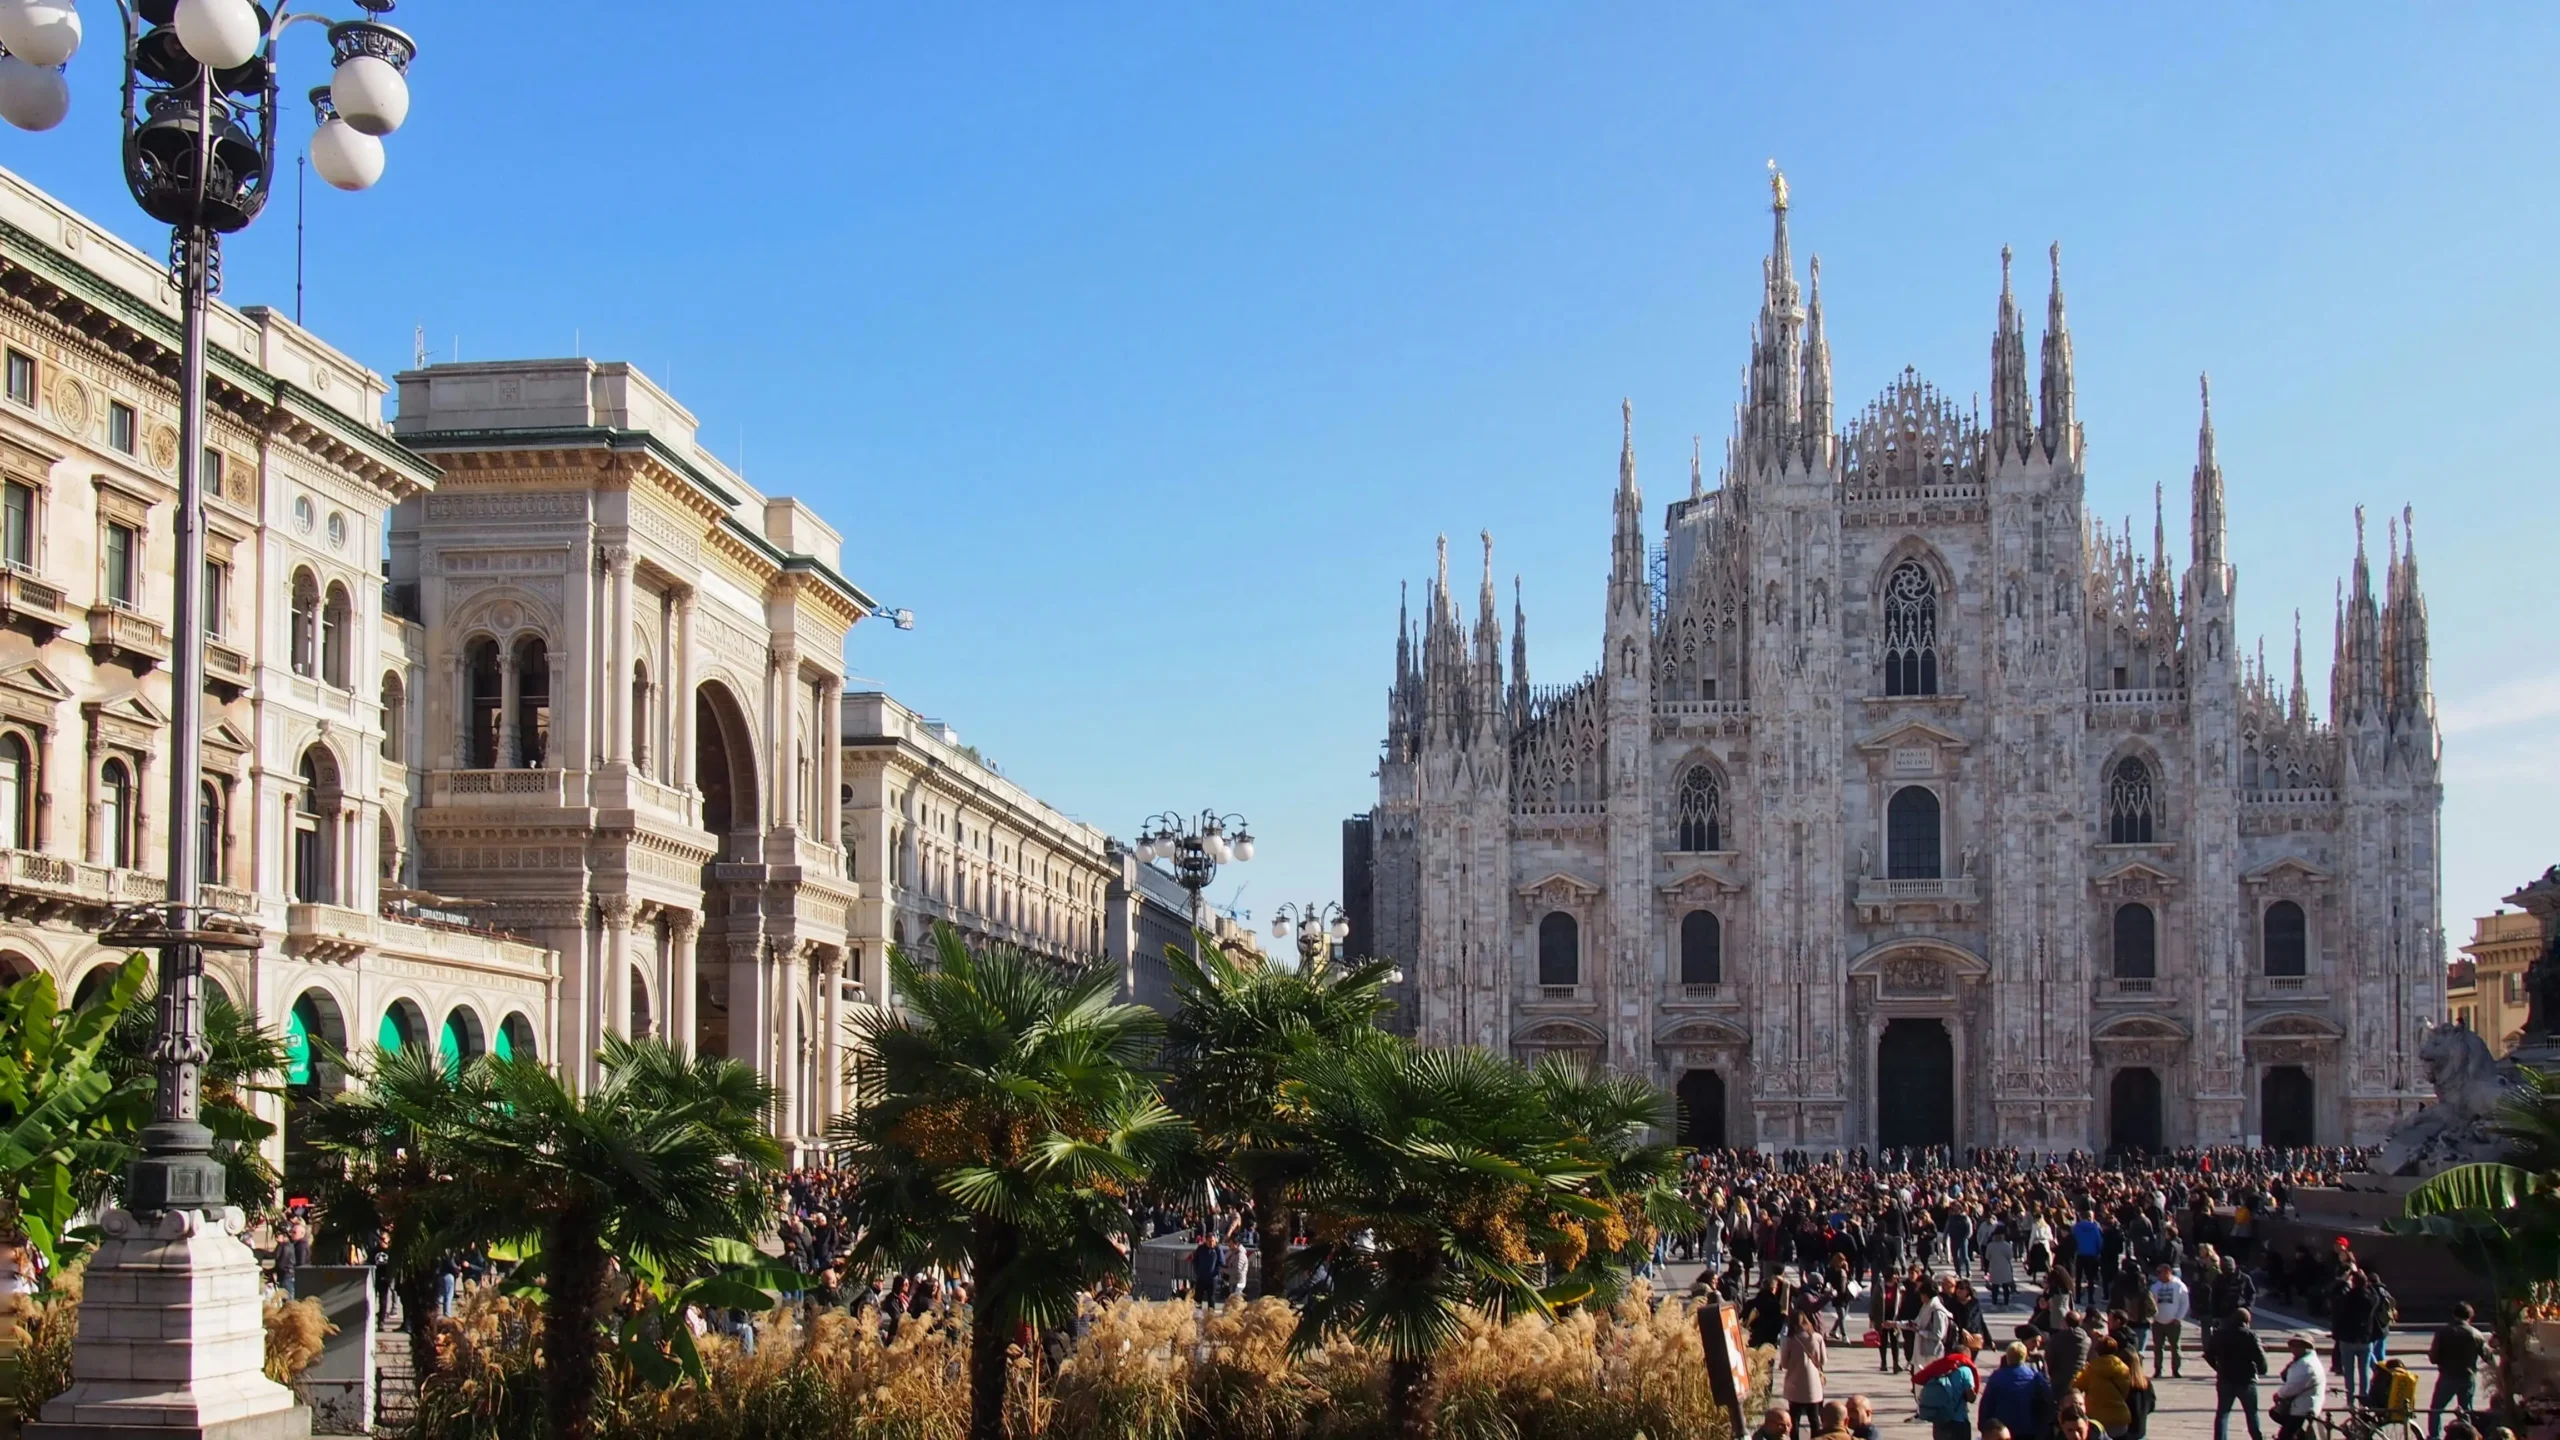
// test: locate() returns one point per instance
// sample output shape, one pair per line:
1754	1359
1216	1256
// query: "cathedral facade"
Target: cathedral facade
1906	805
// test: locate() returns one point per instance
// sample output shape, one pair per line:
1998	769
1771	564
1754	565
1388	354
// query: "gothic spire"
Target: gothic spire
2060	405
2011	417
2364	633
1519	657
1817	370
1627	583
1404	633
1442	608
1697	468
2416	702
2159	530
2301	698
2209	530
1776	397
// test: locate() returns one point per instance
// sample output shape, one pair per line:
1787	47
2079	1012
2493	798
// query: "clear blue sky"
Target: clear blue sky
1143	351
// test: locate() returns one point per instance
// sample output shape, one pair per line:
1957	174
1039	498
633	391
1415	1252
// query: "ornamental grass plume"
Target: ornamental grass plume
297	1331
47	1323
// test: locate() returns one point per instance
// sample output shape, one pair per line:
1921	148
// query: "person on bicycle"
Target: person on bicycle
2302	1392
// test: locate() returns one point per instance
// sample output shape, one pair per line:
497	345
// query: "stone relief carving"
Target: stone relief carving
1914	975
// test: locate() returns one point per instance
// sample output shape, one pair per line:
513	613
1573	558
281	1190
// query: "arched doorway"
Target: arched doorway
724	761
2285	1107
515	1039
403	1025
2133	1110
1915	1084
1701	1096
315	1036
460	1040
724	768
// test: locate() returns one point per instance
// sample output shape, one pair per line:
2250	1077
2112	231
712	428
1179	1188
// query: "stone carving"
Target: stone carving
1914	975
2458	1129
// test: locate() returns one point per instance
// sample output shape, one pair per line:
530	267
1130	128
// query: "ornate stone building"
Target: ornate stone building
1908	805
308	766
626	704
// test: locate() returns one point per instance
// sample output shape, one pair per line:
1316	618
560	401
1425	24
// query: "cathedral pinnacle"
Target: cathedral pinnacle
1817	370
2011	421
2208	527
2060	403
1697	467
1627	447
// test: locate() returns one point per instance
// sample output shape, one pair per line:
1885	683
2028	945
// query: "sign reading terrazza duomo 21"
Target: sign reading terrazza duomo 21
1906	805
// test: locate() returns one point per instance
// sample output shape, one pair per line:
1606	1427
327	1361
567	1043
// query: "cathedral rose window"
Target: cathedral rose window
1910	631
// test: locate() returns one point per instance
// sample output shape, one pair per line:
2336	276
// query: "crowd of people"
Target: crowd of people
2141	1268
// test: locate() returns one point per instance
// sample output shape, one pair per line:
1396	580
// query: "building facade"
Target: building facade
2502	946
625	695
307	764
1906	805
935	834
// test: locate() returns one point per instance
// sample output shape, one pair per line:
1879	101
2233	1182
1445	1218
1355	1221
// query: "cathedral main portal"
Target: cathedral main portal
1915	1084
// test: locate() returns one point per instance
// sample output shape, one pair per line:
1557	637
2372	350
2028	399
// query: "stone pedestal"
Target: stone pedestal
173	1340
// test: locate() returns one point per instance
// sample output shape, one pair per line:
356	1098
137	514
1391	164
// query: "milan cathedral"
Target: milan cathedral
1908	806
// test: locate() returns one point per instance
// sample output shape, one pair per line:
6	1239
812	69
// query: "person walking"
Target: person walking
2108	1383
1931	1330
1800	1362
2000	1264
2456	1352
2066	1351
1884	1312
2302	1392
2087	1239
2351	1317
2169	1305
2233	1352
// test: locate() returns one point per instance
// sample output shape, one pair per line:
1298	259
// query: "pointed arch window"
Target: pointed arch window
1910	631
2137	947
1701	818
2129	803
1559	950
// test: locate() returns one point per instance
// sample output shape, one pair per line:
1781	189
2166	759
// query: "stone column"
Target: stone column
750	1029
617	694
94	829
680	723
831	1042
791	986
460	733
616	989
683	936
510	693
786	750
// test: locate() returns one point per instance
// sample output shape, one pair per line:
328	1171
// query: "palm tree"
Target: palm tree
1619	1126
663	1168
1000	1116
387	1172
2502	1218
1237	1028
1441	1178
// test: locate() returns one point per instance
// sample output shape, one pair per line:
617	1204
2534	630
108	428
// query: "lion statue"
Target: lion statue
2470	1085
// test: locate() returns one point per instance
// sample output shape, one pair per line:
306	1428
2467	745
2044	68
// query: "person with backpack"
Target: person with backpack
1947	1388
2233	1352
2456	1352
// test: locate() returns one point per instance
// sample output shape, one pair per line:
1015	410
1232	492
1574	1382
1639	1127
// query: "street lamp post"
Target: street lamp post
1195	845
1318	929
177	1347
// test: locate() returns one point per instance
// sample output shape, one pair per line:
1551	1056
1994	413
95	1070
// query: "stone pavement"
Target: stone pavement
2186	1405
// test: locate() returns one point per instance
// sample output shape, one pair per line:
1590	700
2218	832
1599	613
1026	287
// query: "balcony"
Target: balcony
51	882
126	636
31	604
2286	989
1879	898
819	859
504	789
331	934
620	787
1560	995
1703	993
2128	987
225	669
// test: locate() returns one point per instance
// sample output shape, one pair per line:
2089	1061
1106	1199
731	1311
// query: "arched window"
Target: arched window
1701	824
315	824
1701	948
533	702
17	790
2137	943
209	867
640	717
337	634
1559	950
395	717
2284	934
115	784
1911	835
480	660
2129	803
306	624
1910	631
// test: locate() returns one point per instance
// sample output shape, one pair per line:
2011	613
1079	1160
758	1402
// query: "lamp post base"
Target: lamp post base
173	1339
